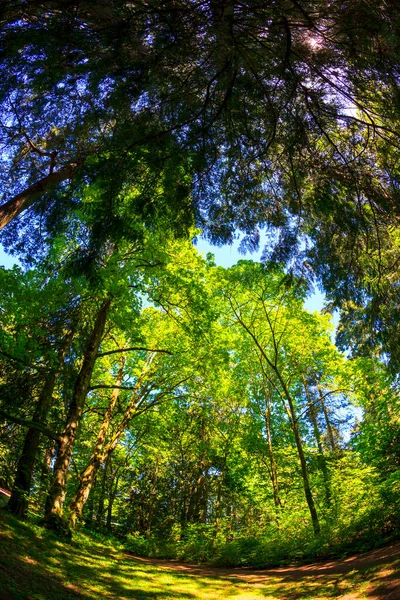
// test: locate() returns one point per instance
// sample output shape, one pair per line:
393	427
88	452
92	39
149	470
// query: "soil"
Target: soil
359	562
383	583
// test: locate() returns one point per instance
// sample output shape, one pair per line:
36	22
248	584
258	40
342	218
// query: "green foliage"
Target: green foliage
218	416
195	543
202	408
359	525
41	566
240	134
59	525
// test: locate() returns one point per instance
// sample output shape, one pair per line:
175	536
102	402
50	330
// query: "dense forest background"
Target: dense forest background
196	411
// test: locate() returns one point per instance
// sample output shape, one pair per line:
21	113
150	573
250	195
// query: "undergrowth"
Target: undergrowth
287	543
35	564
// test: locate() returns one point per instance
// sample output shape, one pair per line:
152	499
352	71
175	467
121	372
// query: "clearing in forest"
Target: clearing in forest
34	565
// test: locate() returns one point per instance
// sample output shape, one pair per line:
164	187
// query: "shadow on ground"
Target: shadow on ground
35	565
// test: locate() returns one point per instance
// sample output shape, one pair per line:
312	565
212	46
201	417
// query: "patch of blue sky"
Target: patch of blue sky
228	255
6	260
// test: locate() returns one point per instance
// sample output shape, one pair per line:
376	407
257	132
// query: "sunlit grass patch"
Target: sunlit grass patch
35	565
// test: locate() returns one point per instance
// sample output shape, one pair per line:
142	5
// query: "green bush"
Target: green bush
196	544
59	525
363	516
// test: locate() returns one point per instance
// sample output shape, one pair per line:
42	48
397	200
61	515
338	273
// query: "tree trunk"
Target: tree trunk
312	411
111	498
13	207
272	461
90	506
218	503
97	457
100	508
199	497
304	471
331	435
151	503
18	503
45	474
103	451
230	524
299	445
65	445
48	455
292	417
218	506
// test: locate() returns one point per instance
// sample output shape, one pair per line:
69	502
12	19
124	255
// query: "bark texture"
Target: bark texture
18	503
13	207
56	497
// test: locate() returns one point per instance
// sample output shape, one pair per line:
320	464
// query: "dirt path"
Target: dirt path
344	579
359	562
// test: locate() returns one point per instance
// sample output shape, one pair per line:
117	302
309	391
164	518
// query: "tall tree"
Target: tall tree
66	441
41	310
282	338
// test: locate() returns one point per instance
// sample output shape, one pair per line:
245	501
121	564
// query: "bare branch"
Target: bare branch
133	348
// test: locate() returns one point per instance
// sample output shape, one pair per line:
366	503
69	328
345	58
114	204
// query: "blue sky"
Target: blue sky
6	260
226	256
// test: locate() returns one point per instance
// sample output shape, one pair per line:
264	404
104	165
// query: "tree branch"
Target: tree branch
31	424
13	207
100	354
17	360
111	387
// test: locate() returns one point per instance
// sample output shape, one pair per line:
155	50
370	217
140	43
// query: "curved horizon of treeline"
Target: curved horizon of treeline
201	411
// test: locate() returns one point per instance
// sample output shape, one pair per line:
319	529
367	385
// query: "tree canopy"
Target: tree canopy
143	388
267	113
233	115
194	408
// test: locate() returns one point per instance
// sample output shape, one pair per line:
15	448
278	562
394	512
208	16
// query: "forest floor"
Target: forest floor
34	565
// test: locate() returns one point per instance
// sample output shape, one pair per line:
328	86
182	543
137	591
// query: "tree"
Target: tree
377	435
154	376
105	306
201	409
267	112
41	312
88	476
66	441
232	115
284	340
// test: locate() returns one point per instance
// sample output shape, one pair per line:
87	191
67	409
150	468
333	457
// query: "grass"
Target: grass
35	565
